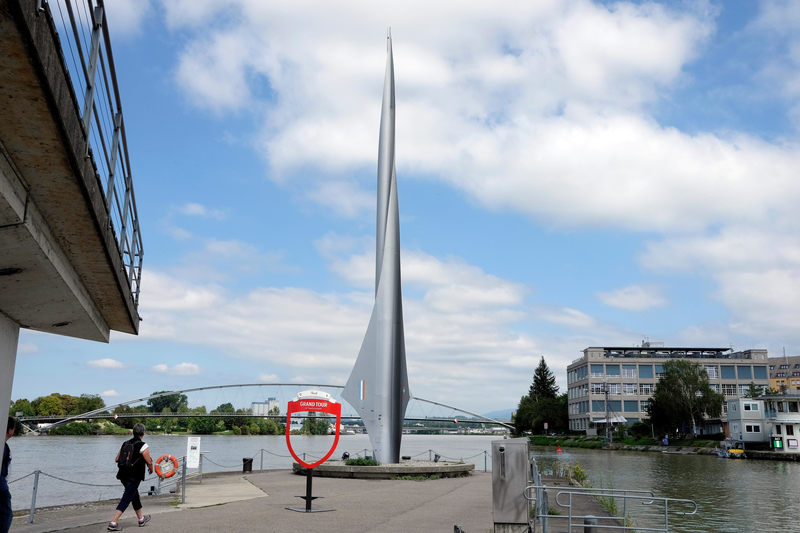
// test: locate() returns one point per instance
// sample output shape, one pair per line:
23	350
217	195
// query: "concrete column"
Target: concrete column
9	337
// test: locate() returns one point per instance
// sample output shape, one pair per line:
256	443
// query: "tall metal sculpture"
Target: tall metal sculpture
378	384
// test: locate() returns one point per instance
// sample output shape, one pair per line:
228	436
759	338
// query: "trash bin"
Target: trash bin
247	464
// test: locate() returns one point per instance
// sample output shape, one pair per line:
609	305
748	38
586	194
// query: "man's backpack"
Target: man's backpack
127	454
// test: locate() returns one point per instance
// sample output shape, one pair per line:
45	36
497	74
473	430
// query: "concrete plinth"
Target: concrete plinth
339	469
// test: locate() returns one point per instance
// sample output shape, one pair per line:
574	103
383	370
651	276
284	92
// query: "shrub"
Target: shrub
73	428
361	461
237	430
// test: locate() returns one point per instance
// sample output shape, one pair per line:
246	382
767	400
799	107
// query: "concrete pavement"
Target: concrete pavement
258	502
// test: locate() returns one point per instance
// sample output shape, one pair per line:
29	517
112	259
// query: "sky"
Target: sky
570	174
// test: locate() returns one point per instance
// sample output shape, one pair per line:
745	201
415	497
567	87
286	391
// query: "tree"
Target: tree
315	426
228	420
275	411
69	404
90	402
202	425
22	406
172	401
49	405
524	415
683	395
544	383
754	391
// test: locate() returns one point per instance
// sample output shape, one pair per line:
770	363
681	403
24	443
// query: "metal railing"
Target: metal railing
82	29
564	499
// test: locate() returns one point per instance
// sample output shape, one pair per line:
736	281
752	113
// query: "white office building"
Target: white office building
630	374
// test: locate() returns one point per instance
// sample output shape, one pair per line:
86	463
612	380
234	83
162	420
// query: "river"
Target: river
733	496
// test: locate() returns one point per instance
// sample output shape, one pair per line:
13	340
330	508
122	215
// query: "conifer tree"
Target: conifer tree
544	383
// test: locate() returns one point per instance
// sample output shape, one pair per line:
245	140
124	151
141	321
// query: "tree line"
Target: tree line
217	421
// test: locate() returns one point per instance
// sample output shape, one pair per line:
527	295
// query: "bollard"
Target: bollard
183	482
484	461
158	487
261	469
429	454
588	522
33	498
247	464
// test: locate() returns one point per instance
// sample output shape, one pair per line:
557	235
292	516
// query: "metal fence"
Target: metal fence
82	29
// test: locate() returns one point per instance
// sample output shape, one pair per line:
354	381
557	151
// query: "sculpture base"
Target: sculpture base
428	469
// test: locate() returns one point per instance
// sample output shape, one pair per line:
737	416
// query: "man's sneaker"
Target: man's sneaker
145	519
114	527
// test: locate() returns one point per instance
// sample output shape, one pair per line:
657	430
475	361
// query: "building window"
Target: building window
714	387
778	429
725	408
643	405
628	371
772	367
728	389
751	407
780	375
659	371
631	406
614	388
789	429
784	367
597	388
629	389
760	372
712	372
646	371
727	372
755	428
597	371
795	374
792	407
645	389
745	372
780	407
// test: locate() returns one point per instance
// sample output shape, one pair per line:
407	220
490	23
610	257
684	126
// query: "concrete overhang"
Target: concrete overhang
61	270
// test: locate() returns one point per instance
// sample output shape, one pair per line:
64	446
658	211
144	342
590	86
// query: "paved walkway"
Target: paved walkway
258	501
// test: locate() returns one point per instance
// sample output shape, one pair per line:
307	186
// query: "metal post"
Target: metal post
33	498
200	467
429	454
183	482
262	461
484	461
94	52
158	487
304	457
309	477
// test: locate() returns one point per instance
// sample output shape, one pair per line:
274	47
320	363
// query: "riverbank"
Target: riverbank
703	447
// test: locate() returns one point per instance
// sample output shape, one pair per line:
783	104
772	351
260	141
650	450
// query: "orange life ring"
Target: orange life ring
166	466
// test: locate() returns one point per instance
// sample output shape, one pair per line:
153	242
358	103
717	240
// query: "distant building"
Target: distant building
630	374
264	408
784	372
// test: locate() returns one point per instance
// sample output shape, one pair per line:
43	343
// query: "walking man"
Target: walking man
5	495
131	460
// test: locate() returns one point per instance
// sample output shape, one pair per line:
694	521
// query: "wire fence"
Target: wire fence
181	475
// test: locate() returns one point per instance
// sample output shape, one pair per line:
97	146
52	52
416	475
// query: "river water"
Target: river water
733	496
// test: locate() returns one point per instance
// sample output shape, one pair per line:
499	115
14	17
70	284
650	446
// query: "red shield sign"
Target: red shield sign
316	402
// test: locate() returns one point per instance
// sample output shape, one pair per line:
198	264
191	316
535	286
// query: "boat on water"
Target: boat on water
731	449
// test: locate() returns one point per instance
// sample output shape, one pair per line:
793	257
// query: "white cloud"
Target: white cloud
125	17
108	363
565	316
183	369
634	297
199	210
109	393
27	348
268	378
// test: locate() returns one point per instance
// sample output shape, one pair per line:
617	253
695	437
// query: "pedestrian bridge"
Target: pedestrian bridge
237	401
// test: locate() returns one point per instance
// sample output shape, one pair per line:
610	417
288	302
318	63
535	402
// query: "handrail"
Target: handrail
86	45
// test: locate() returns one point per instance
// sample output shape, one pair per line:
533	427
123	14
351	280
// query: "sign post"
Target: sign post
314	402
193	452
